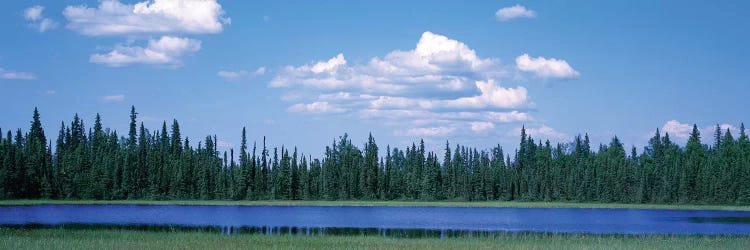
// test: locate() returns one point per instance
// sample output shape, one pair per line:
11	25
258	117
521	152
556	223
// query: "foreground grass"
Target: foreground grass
512	204
129	239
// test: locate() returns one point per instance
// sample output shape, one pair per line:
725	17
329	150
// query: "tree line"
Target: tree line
97	163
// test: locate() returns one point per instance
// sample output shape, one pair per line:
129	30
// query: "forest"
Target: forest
98	163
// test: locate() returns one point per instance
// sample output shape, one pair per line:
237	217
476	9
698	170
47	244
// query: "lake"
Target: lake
383	220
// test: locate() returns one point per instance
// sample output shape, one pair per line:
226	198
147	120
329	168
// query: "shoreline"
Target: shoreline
488	204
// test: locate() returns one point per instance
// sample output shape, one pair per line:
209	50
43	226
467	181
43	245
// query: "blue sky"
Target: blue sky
303	73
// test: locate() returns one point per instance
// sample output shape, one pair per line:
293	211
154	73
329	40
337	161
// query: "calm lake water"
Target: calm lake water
384	220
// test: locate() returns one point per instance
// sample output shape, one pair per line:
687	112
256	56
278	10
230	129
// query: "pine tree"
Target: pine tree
369	189
690	183
294	177
743	144
717	137
36	159
729	169
244	177
264	176
97	164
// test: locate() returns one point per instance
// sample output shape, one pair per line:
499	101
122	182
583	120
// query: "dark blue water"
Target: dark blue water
551	220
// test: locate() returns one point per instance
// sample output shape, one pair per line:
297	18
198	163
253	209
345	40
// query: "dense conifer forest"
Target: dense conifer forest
98	163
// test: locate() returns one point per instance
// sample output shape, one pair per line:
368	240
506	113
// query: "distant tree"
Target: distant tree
690	183
98	164
743	144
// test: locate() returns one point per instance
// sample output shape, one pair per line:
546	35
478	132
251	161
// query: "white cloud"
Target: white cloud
316	107
513	116
112	17
708	133
13	75
411	114
260	71
513	12
33	13
330	66
437	63
492	96
681	131
37	20
112	98
677	129
166	50
430	131
481	127
165	18
234	75
46	24
542	132
546	68
50	92
439	87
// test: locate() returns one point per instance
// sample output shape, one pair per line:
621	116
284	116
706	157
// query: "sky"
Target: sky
304	73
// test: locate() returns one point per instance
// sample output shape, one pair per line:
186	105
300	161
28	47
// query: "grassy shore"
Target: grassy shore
129	239
513	204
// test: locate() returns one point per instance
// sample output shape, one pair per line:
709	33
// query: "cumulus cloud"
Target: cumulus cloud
112	17
235	75
436	63
543	132
316	107
430	131
36	19
677	129
513	116
514	12
166	50
681	131
492	96
546	68
150	18
480	127
709	131
112	98
14	75
439	87
33	13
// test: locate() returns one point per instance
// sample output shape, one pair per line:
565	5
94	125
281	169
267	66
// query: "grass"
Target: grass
511	204
130	239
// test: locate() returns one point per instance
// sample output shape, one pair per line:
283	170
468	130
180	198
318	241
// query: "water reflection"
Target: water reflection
384	221
296	231
740	220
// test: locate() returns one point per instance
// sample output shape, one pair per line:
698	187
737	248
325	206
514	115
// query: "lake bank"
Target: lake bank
498	204
130	239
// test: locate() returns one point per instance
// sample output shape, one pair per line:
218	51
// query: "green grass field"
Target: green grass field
515	204
130	239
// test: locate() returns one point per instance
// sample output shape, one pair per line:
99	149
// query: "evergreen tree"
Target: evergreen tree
244	180
743	144
370	177
689	178
98	164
